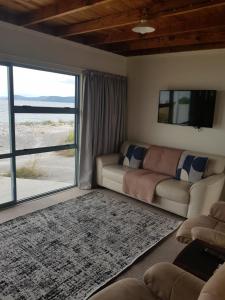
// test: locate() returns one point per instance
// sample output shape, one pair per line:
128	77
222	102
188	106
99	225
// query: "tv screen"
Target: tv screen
191	108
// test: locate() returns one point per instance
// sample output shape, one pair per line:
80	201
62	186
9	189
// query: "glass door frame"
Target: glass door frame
14	109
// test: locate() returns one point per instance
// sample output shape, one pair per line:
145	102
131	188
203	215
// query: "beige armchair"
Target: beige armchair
210	229
165	281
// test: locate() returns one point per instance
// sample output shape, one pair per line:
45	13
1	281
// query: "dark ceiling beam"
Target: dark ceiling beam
44	28
13	18
206	46
7	16
183	39
156	10
57	9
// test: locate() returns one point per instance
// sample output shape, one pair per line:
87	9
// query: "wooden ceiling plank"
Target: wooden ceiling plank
175	7
169	41
117	38
111	21
176	27
57	9
162	9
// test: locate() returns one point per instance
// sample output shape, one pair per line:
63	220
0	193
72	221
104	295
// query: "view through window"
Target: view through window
39	113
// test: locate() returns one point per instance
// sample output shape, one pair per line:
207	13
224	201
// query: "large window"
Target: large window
39	119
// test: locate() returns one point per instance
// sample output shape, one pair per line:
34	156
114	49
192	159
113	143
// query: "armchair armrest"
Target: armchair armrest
214	288
210	236
169	282
104	160
204	193
126	289
217	211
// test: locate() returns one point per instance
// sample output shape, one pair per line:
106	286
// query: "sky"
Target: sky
34	83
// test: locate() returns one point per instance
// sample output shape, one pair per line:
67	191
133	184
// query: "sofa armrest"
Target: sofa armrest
204	193
126	289
210	236
104	160
217	211
108	159
169	282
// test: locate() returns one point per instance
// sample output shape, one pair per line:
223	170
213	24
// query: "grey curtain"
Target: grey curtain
103	124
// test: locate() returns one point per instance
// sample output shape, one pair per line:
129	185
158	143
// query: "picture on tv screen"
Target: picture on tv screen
191	108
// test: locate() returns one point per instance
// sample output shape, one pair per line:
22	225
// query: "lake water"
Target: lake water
21	118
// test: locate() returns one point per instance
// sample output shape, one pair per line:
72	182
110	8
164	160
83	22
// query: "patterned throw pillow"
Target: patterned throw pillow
133	157
191	168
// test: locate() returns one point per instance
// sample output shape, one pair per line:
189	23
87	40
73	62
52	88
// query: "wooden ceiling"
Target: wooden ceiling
181	25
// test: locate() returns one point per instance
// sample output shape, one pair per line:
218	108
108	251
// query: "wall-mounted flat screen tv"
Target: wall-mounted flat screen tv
190	108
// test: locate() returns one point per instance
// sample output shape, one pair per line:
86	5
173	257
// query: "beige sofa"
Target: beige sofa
165	281
173	195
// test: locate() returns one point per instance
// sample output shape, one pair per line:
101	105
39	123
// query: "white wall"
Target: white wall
191	70
30	47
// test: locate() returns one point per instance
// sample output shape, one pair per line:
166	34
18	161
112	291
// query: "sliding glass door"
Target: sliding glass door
39	119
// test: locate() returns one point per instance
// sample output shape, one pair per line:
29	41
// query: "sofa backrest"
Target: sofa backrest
215	165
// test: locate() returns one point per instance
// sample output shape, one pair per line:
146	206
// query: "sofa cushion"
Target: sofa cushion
126	144
174	190
215	165
162	160
191	168
217	211
140	184
133	157
115	172
220	226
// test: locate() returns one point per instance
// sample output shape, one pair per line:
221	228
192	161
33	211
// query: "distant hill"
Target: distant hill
43	98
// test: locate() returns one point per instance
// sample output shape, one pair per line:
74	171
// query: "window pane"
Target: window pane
45	172
42	88
4	111
5	181
43	130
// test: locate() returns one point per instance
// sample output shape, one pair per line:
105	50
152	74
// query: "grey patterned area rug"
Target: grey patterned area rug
69	250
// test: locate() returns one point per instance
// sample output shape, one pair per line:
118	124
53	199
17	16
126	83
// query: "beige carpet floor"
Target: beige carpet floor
166	250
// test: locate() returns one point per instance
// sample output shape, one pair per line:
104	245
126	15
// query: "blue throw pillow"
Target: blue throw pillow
191	168
133	157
